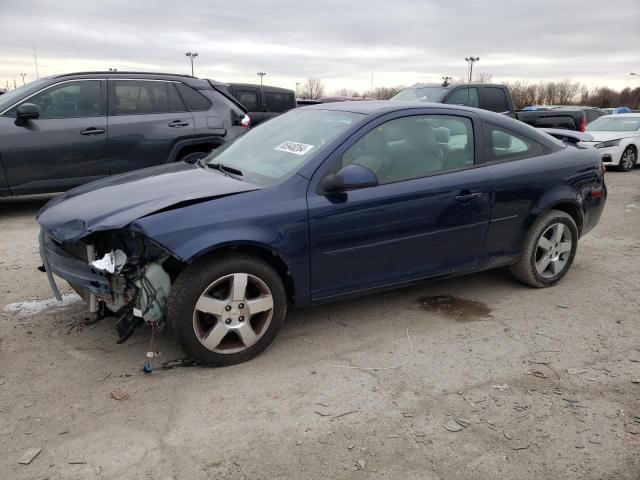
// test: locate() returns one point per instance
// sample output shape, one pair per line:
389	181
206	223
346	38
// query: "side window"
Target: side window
195	101
139	97
68	100
506	145
493	99
464	96
415	146
278	101
248	98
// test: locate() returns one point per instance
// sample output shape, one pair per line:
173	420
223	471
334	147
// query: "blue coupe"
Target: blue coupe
321	203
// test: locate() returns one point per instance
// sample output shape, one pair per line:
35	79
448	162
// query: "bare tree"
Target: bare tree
346	92
567	91
483	77
382	93
313	88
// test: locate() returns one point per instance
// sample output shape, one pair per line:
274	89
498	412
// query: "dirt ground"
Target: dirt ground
538	383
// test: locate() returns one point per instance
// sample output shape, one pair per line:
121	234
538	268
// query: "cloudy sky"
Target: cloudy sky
343	42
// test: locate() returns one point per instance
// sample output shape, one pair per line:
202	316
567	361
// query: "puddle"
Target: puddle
457	308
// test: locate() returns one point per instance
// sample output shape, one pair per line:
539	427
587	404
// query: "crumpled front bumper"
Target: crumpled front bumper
78	273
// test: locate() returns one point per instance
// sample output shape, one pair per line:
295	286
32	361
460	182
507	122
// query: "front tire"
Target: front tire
549	250
628	159
226	309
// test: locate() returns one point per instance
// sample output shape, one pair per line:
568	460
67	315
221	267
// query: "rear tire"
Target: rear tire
628	159
226	309
548	251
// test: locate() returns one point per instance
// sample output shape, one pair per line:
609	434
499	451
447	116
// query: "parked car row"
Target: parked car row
66	130
497	98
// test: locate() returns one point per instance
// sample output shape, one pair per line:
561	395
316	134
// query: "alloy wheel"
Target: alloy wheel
233	313
628	159
553	250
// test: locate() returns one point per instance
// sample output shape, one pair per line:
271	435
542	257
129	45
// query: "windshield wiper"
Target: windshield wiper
224	169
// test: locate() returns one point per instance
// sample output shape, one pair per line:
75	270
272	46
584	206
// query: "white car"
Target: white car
618	139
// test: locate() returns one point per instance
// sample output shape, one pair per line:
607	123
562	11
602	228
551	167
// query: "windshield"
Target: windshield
421	94
10	98
272	151
615	124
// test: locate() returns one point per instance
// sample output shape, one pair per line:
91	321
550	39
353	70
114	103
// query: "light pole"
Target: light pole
23	75
261	74
297	85
191	56
471	61
445	81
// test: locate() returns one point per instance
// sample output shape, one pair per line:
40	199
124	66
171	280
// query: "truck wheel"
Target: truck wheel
548	251
628	159
192	157
226	309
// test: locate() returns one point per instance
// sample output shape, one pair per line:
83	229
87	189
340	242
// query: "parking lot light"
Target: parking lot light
191	56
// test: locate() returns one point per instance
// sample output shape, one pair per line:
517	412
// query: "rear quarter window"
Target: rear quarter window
194	100
502	144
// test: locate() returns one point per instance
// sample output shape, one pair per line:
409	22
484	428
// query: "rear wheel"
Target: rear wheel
628	159
548	251
227	309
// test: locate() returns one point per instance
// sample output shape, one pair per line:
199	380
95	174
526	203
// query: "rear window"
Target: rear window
279	101
248	98
493	99
194	100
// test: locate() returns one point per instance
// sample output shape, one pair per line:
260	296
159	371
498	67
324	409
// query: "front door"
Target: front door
65	147
147	119
428	216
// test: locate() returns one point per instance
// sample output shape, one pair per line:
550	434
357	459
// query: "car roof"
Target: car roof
381	106
264	87
454	84
187	79
625	115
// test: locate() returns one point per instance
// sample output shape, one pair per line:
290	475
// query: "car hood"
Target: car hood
115	202
602	136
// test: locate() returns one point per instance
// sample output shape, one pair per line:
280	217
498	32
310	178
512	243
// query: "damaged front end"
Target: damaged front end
119	272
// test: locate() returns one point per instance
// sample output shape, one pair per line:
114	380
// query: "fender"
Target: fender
258	218
559	195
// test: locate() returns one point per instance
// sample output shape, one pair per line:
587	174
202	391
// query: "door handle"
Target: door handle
466	196
92	131
178	124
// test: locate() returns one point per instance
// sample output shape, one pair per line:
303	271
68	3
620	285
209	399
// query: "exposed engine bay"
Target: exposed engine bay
134	273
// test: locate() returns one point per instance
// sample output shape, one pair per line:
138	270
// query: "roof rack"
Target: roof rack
118	72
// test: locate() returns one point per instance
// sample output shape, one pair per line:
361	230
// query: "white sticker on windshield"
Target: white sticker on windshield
294	147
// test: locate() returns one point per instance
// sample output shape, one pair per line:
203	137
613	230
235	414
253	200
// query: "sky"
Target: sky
352	44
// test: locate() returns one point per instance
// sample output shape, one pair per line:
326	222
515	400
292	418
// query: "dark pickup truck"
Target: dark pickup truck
497	98
262	101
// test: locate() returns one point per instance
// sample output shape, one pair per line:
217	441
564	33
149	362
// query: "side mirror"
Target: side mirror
351	177
26	112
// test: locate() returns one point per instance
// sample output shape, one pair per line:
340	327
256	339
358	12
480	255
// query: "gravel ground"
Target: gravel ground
537	383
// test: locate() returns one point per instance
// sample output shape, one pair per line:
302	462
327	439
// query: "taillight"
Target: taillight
583	123
246	121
